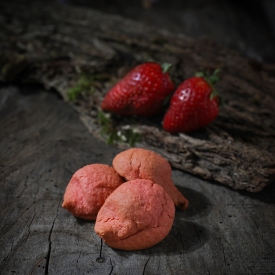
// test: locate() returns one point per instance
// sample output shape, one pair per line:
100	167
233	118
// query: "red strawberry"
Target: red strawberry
193	105
141	92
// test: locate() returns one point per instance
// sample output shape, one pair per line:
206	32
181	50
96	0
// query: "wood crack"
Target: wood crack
112	267
224	257
50	243
100	251
145	265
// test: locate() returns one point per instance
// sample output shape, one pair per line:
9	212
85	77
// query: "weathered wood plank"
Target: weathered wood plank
36	165
42	144
58	45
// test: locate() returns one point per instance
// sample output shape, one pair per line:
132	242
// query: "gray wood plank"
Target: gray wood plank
43	142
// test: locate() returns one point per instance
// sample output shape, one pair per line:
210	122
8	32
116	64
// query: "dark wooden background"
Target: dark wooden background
244	25
62	46
43	142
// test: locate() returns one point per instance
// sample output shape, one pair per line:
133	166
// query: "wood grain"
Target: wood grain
43	142
58	44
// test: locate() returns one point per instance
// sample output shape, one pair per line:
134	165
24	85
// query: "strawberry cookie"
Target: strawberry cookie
137	163
137	215
89	188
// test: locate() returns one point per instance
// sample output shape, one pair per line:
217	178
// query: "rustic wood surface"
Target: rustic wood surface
60	45
43	142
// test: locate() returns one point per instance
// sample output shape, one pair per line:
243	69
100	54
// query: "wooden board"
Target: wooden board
43	142
63	46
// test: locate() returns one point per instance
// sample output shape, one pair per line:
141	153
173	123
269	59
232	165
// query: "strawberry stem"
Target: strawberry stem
165	67
212	80
214	94
214	77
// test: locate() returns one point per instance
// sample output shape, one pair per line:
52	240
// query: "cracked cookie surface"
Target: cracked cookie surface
138	163
137	215
88	189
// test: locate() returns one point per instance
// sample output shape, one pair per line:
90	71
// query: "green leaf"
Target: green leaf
84	85
199	74
114	134
165	67
74	93
212	79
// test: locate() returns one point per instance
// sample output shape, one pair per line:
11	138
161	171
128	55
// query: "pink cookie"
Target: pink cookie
88	190
137	215
137	163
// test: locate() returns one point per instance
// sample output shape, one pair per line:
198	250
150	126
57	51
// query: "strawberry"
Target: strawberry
141	92
194	104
